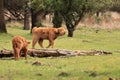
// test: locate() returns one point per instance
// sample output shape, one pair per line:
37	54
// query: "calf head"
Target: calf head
61	31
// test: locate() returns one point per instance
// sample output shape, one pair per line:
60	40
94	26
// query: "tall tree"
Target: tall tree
2	20
73	11
57	18
40	8
36	10
27	15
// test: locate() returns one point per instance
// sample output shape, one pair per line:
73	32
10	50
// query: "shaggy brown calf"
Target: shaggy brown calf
39	34
20	44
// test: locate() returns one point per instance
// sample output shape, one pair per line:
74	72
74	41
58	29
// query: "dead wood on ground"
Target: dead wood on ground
54	52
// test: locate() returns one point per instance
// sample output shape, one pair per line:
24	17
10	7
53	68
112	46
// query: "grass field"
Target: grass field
104	67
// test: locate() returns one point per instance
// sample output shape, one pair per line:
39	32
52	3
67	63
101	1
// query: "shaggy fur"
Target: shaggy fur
20	44
39	34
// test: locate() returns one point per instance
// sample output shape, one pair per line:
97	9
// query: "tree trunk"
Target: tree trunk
57	19
2	20
70	28
34	19
27	16
70	31
97	13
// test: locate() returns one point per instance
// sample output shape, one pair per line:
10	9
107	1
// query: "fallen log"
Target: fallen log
54	52
6	53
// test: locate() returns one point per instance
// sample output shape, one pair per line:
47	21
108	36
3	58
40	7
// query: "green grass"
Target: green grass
70	68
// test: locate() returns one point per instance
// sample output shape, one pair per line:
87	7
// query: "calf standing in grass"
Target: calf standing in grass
40	34
20	44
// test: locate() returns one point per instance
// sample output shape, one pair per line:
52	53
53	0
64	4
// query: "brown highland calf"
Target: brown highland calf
20	44
40	34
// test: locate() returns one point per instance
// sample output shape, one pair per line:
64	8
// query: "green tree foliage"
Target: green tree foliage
97	6
115	6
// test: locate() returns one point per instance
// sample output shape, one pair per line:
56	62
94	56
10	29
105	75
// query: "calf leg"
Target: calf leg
17	54
40	43
25	52
34	41
51	43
